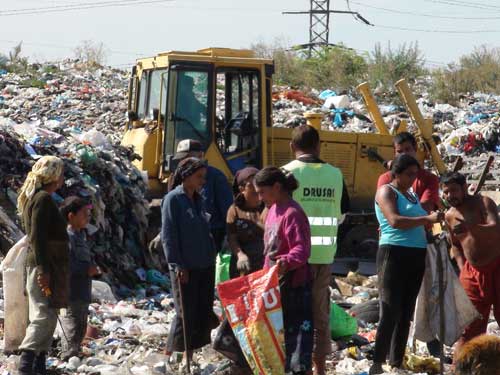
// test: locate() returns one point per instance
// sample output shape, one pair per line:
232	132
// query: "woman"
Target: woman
245	232
287	244
400	259
190	254
245	236
47	261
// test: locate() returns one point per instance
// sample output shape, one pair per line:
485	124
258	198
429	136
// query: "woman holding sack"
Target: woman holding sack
47	262
287	244
400	259
245	236
190	252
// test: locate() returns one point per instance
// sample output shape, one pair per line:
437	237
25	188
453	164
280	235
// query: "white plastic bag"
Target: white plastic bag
101	292
459	310
16	302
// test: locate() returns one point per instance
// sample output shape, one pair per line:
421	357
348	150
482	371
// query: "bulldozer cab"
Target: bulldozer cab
220	97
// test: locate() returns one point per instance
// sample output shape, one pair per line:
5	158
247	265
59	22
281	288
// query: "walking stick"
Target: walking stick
184	332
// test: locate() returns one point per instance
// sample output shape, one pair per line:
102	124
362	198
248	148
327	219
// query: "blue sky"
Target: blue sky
146	29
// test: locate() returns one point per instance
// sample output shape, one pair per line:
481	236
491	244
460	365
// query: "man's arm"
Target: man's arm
223	194
456	251
345	203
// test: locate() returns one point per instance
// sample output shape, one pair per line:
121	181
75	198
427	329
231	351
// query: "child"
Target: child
287	243
74	323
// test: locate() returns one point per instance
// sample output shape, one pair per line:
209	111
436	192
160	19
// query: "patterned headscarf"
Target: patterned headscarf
186	168
46	170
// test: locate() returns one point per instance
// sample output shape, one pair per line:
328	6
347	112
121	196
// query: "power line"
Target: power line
78	6
437	31
465	4
424	14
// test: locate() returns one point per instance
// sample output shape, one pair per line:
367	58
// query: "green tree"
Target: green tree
389	65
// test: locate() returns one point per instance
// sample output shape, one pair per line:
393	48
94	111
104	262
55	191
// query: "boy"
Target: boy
77	213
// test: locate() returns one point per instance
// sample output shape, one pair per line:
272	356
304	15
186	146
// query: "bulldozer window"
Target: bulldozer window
143	90
238	116
155	91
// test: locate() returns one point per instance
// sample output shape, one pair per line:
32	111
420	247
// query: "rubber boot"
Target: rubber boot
26	362
39	366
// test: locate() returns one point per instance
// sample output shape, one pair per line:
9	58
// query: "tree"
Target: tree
91	53
389	65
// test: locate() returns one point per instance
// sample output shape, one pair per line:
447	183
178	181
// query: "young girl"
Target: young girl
287	244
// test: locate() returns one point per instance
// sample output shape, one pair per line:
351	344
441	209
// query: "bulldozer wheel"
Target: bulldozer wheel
361	241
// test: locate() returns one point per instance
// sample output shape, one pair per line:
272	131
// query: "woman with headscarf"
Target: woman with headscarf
245	237
47	261
245	230
190	253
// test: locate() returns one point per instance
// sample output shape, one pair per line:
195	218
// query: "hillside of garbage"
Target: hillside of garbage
64	109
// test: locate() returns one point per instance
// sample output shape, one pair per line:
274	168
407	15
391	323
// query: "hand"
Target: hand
155	244
243	263
183	276
94	271
43	280
436	216
282	267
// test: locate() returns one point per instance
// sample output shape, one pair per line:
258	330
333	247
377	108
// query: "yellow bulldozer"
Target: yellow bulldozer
223	98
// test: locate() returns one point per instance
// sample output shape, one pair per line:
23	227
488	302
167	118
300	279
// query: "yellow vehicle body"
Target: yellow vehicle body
231	93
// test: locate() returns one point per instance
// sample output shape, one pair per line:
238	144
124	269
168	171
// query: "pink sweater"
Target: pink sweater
288	237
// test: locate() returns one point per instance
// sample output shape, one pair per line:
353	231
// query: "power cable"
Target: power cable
465	4
423	14
437	31
78	6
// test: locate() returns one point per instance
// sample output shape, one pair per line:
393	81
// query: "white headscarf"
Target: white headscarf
46	170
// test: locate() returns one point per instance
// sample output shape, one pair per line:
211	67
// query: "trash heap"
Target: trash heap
78	115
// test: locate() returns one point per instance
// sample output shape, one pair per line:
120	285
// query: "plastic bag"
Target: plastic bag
222	267
102	292
341	323
16	302
460	311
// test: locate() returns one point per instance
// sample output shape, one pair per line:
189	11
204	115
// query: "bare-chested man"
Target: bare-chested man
475	235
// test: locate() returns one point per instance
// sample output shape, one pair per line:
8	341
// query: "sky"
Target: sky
130	32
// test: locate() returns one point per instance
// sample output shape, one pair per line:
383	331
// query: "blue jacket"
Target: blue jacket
218	197
80	261
185	232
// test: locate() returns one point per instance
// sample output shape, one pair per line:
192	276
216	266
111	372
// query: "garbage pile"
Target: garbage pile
125	338
77	115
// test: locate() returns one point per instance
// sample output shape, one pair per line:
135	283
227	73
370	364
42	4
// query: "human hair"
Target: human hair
453	178
403	137
305	138
402	163
479	356
271	175
72	205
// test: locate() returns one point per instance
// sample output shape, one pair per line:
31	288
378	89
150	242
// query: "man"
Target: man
216	191
426	186
475	236
323	196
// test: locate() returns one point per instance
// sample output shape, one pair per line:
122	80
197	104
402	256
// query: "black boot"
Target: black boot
26	362
39	367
